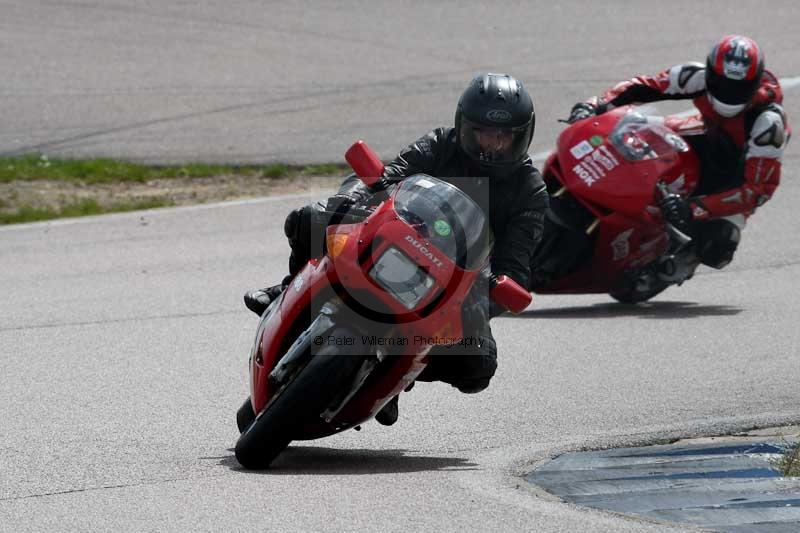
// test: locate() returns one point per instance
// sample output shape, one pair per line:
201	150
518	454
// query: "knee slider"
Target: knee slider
483	371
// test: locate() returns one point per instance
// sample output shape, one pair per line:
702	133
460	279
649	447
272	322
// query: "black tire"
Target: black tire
245	415
631	296
309	393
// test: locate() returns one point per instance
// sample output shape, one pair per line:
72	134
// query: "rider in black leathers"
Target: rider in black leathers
485	155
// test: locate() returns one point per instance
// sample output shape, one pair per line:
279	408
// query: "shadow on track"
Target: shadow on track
659	310
319	461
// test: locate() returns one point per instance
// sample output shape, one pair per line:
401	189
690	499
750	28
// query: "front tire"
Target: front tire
309	392
245	415
632	296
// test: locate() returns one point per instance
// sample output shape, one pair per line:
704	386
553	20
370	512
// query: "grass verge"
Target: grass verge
88	206
96	171
35	187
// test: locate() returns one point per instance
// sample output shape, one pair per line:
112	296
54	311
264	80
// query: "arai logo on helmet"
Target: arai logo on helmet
424	251
498	115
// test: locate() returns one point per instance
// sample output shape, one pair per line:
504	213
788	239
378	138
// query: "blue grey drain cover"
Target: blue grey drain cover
725	486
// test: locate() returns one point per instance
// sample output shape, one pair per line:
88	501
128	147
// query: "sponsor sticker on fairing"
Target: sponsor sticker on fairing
621	245
442	228
595	165
678	186
588	177
581	149
424	250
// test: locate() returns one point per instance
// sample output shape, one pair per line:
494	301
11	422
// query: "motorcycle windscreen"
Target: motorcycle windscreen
620	173
638	139
447	218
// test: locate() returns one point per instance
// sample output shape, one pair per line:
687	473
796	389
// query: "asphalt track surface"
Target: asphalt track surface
124	340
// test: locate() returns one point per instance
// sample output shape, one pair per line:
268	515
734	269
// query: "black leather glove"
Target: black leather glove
676	211
340	203
580	111
476	310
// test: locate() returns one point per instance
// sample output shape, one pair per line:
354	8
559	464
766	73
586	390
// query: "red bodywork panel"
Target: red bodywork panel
621	193
437	316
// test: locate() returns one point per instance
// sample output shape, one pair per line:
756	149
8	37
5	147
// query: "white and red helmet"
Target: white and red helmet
733	74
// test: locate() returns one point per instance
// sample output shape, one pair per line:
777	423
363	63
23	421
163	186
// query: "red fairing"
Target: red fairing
274	329
436	319
594	170
611	167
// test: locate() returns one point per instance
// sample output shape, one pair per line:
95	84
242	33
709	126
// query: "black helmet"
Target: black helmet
495	122
733	73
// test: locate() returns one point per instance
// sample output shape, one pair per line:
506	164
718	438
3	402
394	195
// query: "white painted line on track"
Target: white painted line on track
790	83
160	211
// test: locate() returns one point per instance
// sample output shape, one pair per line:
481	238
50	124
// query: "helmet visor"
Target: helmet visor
494	146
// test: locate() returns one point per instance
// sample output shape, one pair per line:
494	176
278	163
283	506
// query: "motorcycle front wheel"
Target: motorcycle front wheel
245	415
632	296
308	394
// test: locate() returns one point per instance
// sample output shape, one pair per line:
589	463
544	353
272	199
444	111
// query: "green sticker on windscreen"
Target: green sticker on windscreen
596	140
442	228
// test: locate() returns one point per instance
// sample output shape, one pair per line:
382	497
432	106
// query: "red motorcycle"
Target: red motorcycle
604	232
353	328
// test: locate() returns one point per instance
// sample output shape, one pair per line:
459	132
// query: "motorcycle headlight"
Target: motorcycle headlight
401	277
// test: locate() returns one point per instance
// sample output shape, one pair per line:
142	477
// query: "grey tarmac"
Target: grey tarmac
124	338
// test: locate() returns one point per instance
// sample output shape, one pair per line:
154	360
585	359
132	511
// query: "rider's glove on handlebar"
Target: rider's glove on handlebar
340	203
476	312
677	211
580	111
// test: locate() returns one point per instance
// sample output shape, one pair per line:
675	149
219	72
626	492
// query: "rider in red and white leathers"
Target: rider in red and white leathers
740	133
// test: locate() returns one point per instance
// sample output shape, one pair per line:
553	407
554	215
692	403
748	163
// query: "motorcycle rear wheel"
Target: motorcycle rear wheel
308	394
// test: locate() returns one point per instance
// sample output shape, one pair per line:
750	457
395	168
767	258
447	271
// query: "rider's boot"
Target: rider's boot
388	415
258	300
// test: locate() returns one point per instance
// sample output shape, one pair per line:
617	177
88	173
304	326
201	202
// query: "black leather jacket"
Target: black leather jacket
515	205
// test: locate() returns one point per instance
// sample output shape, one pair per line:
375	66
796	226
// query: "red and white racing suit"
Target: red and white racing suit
740	156
755	138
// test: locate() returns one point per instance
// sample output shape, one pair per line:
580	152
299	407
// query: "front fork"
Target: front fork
677	268
672	268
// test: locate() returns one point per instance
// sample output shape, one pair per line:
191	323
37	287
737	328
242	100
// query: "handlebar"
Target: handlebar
352	215
507	293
